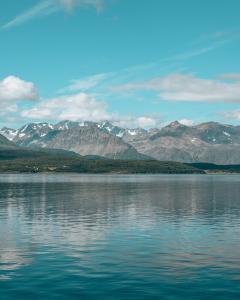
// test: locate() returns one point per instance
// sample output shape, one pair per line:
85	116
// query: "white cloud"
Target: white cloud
135	122
187	87
79	106
84	107
75	107
39	10
146	122
232	115
186	122
195	52
14	89
48	7
232	76
71	4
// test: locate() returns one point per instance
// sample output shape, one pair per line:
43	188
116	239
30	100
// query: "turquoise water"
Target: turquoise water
119	237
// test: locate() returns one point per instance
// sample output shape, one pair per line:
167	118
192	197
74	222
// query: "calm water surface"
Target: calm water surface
119	237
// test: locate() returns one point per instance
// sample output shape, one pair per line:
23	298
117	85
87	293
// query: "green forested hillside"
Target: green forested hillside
18	159
83	165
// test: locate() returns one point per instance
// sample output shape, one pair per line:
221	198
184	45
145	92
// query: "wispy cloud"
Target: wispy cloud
86	83
39	10
48	7
71	4
217	36
210	43
187	87
195	52
172	64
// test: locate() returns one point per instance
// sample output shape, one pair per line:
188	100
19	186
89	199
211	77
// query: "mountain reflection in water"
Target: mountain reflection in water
119	237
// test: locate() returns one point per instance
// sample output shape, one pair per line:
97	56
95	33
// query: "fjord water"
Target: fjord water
119	237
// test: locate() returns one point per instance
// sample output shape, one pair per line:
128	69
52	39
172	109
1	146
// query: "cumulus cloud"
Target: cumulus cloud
135	122
49	7
84	107
146	122
186	122
187	87
75	107
14	89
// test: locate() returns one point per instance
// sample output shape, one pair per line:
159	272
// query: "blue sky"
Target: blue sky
137	63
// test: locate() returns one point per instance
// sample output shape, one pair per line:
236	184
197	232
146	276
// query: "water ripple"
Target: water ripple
119	237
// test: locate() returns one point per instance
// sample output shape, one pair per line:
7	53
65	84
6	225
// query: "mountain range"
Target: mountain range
207	142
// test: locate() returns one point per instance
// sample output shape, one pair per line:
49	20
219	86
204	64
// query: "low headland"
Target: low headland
33	161
57	161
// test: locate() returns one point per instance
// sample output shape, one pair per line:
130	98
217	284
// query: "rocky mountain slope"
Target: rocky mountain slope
208	142
86	138
5	143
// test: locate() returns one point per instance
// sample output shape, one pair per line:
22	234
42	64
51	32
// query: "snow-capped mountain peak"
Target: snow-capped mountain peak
9	133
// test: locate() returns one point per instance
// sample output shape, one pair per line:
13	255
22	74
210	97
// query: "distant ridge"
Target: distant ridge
209	142
86	138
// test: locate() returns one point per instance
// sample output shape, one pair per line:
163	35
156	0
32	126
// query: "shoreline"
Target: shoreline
206	172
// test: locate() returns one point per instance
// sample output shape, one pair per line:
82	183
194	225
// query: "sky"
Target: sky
136	63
